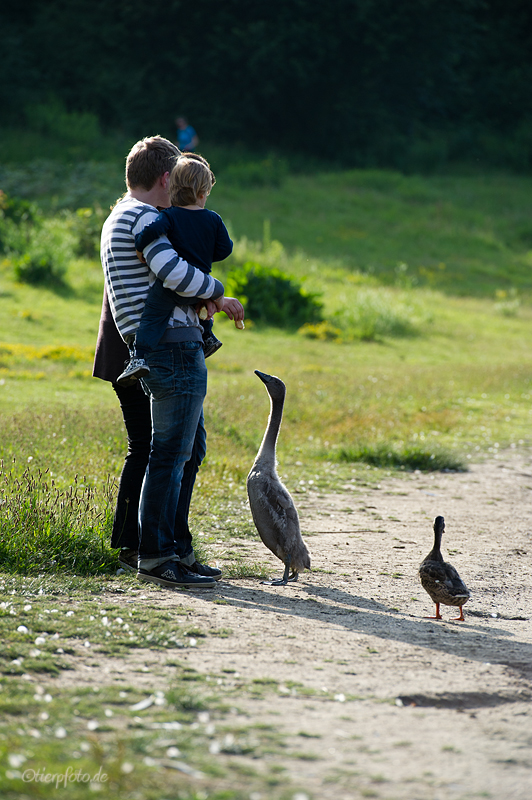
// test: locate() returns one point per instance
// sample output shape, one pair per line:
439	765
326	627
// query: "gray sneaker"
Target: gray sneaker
137	368
173	575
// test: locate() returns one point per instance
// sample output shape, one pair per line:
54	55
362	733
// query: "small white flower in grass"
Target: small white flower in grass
173	752
255	796
17	661
22	629
48	698
283	689
69	614
203	716
324	689
105	621
192	642
35	733
16	760
27	607
210	729
35	652
86	644
143	704
40	640
108	712
300	796
30	458
94	786
127	767
60	651
55	636
60	733
85	747
151	762
214	748
122	694
44	716
119	620
92	725
91	617
340	698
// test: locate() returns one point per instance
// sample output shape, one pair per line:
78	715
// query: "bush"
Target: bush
14	212
272	297
87	227
40	252
376	313
53	119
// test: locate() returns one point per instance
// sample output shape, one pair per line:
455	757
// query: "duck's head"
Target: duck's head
439	526
274	386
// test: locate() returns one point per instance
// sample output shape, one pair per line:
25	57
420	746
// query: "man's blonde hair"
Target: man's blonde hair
148	159
190	177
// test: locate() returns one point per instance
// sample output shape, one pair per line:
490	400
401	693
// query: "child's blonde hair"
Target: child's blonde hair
190	177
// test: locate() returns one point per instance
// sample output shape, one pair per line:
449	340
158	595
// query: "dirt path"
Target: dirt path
389	704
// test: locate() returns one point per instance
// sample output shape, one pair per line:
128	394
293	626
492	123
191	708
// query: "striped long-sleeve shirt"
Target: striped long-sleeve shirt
128	280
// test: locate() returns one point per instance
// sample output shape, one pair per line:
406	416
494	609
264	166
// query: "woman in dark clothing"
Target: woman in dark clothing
111	355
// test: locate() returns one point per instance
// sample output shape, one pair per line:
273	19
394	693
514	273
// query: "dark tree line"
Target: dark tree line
366	80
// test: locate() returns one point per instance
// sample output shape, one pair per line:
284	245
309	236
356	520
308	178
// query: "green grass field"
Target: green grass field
438	381
424	362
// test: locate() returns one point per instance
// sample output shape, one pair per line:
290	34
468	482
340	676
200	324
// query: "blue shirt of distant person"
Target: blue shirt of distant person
187	138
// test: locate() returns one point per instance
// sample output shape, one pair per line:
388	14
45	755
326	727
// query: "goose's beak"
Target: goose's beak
263	376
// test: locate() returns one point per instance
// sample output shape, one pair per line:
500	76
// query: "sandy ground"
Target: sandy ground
402	706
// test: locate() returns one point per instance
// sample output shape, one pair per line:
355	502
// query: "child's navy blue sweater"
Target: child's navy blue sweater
197	235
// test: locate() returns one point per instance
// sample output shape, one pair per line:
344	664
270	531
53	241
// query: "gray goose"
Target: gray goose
272	508
440	579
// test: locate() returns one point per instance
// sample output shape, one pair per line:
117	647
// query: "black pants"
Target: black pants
135	407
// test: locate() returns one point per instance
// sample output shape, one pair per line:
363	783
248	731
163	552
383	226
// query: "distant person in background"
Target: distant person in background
187	138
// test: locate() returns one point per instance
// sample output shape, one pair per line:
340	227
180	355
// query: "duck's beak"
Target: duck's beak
263	376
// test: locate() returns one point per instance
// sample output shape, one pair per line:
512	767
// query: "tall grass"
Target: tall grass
45	528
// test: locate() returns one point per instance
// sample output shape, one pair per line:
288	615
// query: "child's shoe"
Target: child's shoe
210	345
137	368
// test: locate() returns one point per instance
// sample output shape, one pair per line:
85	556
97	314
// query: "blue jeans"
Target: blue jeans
177	384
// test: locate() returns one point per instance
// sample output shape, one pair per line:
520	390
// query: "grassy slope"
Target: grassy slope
462	383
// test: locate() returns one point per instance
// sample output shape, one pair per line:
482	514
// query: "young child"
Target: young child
199	236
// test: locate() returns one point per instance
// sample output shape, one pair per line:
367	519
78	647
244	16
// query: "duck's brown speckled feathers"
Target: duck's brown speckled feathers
440	579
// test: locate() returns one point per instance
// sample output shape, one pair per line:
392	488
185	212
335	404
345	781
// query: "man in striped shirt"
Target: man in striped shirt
177	381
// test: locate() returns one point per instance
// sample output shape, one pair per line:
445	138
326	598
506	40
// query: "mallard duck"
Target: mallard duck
440	579
273	510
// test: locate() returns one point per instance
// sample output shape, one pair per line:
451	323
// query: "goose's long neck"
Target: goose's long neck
269	440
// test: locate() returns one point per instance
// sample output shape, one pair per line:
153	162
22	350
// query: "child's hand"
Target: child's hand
235	311
141	257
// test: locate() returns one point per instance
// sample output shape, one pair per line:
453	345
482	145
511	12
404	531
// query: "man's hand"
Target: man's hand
206	309
141	257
